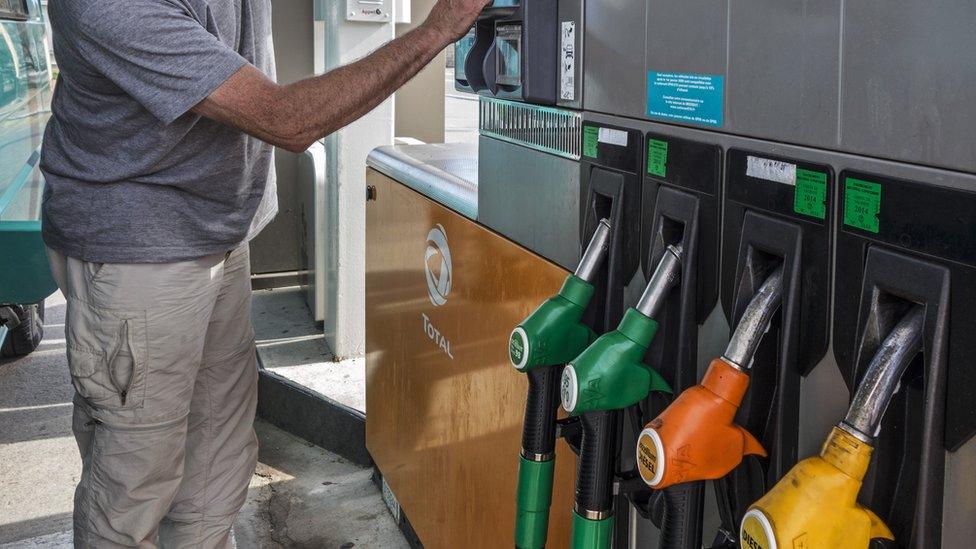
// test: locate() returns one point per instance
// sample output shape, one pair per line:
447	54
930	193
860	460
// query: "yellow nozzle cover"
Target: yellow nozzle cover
847	453
815	504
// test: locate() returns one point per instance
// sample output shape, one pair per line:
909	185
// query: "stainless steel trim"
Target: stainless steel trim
755	321
883	376
445	173
547	129
595	252
591	515
538	457
666	276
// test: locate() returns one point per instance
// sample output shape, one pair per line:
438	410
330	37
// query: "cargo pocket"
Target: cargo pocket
107	357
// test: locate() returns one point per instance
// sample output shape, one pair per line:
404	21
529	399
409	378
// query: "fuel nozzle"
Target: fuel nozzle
548	338
610	373
554	334
695	438
818	497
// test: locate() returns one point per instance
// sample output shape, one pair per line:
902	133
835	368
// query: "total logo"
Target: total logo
437	266
438	270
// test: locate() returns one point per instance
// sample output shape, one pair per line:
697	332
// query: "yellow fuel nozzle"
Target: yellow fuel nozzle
815	505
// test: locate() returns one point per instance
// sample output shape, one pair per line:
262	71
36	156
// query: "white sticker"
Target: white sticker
611	136
567	65
771	170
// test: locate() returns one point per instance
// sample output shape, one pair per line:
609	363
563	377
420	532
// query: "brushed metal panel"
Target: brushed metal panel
783	70
613	69
909	81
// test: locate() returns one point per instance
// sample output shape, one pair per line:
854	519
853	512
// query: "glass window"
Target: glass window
508	40
13	9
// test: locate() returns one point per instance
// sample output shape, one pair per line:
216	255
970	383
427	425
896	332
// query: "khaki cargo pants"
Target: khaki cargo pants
163	363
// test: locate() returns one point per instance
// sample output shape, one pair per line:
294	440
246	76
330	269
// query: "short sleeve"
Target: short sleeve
156	52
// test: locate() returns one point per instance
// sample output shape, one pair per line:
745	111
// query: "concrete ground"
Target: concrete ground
300	495
291	344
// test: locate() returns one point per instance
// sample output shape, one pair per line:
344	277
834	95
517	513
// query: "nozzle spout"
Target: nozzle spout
755	321
595	252
883	377
665	277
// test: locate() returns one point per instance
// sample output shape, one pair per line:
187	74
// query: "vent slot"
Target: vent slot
546	129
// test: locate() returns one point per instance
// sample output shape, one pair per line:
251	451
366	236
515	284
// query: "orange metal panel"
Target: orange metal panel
444	405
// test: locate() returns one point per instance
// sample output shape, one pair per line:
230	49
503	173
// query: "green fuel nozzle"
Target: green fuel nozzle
554	334
550	337
610	374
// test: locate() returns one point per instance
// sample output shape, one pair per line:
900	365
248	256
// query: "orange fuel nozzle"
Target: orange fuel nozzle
695	437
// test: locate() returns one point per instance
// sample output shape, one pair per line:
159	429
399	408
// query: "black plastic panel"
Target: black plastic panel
610	187
762	228
926	222
744	193
905	482
692	169
538	53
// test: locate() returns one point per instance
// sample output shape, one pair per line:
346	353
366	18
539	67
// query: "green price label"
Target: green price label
657	158
862	204
591	137
810	194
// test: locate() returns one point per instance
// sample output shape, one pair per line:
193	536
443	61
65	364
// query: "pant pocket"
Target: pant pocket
107	356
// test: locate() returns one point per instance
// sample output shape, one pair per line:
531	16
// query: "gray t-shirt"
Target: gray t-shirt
132	175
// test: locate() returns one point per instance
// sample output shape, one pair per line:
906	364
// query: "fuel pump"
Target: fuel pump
607	377
695	438
816	502
539	347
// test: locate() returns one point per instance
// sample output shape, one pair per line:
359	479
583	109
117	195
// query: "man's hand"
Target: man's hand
453	18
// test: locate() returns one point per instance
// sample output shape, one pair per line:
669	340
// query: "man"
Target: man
158	160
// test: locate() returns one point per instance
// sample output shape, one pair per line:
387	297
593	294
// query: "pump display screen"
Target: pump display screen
508	43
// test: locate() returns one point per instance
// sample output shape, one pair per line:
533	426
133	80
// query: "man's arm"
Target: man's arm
296	115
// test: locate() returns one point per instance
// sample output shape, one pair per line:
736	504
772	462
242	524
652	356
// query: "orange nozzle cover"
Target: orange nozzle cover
694	438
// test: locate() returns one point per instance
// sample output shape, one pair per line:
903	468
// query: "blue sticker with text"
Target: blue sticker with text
689	98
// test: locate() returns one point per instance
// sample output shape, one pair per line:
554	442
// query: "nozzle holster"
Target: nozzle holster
695	437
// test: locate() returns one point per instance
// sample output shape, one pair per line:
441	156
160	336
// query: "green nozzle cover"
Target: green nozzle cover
591	534
610	373
533	501
553	334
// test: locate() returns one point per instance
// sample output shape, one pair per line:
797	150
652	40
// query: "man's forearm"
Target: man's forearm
323	104
295	115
